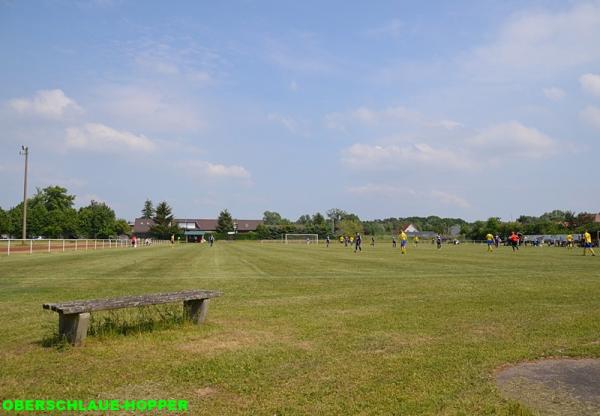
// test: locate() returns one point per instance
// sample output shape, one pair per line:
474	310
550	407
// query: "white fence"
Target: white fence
19	246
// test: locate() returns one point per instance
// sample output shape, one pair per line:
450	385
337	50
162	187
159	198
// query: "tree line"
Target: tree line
50	213
549	223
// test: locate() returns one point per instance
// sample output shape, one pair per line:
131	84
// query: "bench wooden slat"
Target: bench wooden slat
84	306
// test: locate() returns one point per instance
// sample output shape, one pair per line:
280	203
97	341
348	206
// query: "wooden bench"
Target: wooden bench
74	316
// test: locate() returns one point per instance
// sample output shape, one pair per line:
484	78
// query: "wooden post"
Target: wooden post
49	245
196	310
73	326
8	249
30	246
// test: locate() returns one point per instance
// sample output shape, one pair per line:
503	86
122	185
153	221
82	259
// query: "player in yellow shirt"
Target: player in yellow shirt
416	239
587	243
403	240
570	241
490	241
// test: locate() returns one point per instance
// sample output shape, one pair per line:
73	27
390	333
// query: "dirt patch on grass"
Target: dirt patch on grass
554	386
205	392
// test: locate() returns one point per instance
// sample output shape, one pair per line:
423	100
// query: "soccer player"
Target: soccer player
570	241
416	240
514	241
587	243
490	241
372	241
327	241
403	241
394	242
357	243
438	240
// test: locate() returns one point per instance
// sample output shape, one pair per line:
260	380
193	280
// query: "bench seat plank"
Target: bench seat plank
85	306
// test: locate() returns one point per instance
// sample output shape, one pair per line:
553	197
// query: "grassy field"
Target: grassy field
302	329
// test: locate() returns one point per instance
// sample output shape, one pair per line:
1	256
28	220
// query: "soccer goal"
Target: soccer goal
301	238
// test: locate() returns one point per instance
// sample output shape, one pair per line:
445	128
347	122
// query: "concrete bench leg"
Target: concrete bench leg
74	326
196	310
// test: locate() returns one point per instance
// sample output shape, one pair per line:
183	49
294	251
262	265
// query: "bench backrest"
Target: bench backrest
81	306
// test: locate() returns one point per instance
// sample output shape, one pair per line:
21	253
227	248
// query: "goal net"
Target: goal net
301	238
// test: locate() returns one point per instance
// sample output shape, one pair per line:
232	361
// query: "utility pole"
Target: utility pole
25	151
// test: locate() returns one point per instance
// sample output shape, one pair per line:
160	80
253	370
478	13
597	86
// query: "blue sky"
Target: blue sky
468	109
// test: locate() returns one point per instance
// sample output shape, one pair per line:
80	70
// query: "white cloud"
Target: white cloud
101	138
591	115
540	39
151	110
554	93
450	199
392	116
217	170
393	156
591	83
512	139
52	104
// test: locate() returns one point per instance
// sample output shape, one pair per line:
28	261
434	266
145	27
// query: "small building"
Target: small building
412	231
194	228
410	228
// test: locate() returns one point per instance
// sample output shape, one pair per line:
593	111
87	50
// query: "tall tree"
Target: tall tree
164	226
97	220
55	198
122	227
224	222
271	218
4	222
318	219
304	219
148	211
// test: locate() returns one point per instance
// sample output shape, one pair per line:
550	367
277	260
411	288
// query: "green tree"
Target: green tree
318	219
122	227
4	222
50	213
97	220
271	218
55	198
224	222
148	210
492	225
164	226
304	219
350	227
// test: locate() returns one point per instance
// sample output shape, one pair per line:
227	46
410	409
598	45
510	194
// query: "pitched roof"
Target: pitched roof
142	225
410	228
